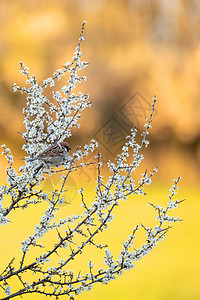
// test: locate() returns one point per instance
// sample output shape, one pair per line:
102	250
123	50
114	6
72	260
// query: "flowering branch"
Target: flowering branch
50	122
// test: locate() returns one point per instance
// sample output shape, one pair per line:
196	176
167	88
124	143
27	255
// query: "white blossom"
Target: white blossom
59	238
7	290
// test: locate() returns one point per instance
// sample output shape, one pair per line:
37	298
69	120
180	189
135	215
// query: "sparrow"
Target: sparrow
55	154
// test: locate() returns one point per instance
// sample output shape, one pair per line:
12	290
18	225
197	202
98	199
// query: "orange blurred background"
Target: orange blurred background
135	49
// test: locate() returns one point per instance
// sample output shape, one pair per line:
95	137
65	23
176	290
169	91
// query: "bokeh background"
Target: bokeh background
135	49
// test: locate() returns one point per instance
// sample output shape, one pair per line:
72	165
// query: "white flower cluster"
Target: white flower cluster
48	122
7	290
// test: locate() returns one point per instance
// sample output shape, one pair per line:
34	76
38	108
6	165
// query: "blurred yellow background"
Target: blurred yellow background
135	49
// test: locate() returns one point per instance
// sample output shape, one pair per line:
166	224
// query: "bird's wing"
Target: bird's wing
51	151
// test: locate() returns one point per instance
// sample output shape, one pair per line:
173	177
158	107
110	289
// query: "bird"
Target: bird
54	155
